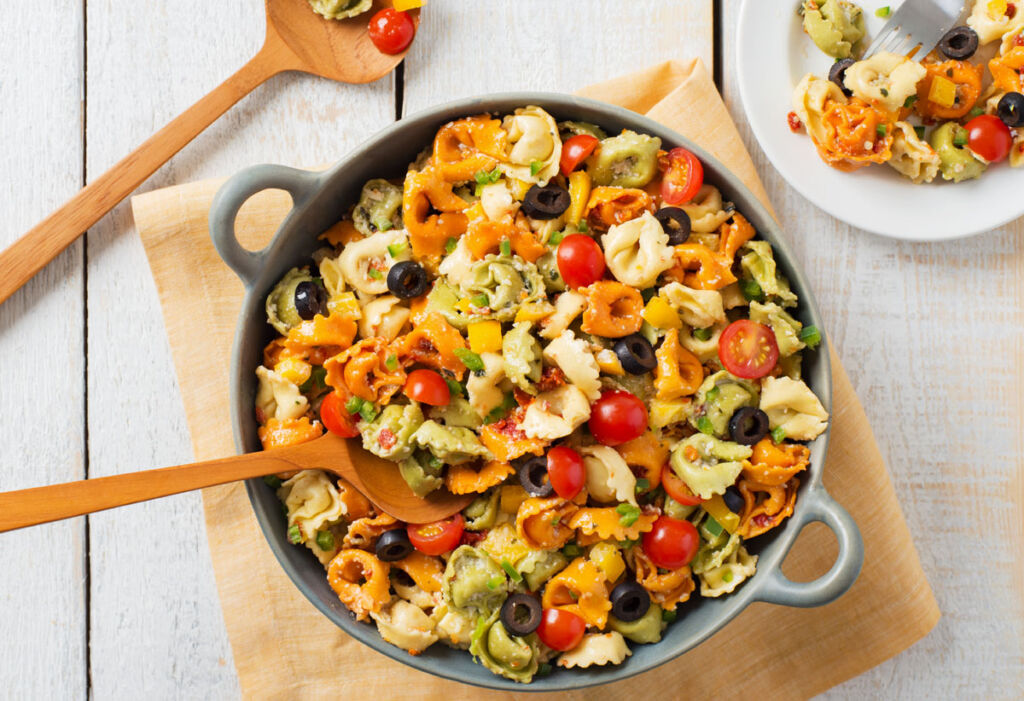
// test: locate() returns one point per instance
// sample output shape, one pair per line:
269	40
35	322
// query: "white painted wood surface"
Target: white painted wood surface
139	616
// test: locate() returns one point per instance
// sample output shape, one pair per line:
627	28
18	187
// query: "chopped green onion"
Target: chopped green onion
499	412
702	334
778	434
480	300
454	388
668	616
353	405
316	378
883	11
704	425
582	226
727	577
495	582
556	238
572	550
294	535
483	177
272	481
811	336
325	540
713	393
554	520
391	363
375	274
536	167
643	484
512	573
712	526
881	130
960	137
544	670
976	112
449	245
395	249
909	102
506	247
919	131
434	462
628	514
481	626
368	412
470	359
751	290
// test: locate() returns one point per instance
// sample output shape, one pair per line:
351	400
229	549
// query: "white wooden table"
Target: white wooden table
122	605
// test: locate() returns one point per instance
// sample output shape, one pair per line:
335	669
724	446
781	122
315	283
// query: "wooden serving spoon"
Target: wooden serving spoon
378	479
297	39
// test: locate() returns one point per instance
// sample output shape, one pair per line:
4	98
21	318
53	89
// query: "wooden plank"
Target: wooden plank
156	622
931	336
42	579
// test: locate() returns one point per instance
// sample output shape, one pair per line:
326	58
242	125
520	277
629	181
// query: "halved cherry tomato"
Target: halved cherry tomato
392	31
428	387
335	418
988	137
437	537
617	416
561	630
677	489
671	543
748	349
566	471
683	177
576	150
580	260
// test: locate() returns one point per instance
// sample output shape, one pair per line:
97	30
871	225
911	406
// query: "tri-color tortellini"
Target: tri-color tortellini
940	114
614	376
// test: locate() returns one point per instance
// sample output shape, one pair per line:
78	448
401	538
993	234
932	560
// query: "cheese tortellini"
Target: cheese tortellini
365	263
573	357
406	626
792	406
637	251
884	79
609	478
536	145
991	20
698	308
596	649
277	397
912	156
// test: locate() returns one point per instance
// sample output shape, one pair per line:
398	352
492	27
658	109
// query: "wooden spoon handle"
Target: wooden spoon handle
26	256
29	507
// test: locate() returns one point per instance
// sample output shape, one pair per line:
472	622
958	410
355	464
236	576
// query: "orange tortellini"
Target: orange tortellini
580	588
613	309
544	524
679	372
361	582
363	371
667	589
765	506
465	479
605	523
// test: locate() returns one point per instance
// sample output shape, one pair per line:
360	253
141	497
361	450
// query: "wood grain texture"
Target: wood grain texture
931	335
42	575
156	621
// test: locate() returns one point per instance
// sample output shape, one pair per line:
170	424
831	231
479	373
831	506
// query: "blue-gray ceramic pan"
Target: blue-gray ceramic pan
322	198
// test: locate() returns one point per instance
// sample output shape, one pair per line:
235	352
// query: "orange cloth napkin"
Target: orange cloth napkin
284	648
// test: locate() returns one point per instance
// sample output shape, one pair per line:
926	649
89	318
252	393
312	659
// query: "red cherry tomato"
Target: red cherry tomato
561	630
671	543
677	489
565	471
580	260
682	178
617	416
392	31
575	151
428	387
335	418
988	137
437	537
748	349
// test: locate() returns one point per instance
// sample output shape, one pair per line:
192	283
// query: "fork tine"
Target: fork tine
893	40
884	36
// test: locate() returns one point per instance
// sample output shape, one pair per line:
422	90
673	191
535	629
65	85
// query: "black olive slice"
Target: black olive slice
407	280
393	545
748	425
1011	109
310	299
733	499
635	354
520	614
630	601
838	73
676	223
959	43
533	475
546	202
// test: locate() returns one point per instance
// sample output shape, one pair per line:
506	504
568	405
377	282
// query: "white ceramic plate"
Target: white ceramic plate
773	54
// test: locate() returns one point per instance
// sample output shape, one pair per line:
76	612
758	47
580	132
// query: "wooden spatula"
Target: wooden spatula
297	39
378	479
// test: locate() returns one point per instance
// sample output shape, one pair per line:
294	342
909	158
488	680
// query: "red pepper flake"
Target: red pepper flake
763	520
386	438
550	378
1011	10
1019	39
795	125
471	537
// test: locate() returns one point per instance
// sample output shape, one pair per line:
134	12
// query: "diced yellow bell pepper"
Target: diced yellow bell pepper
609	362
463	305
519	188
608	558
475	212
512	495
997	8
579	194
715	506
485	336
403	5
665	412
295	370
534	311
942	92
660	314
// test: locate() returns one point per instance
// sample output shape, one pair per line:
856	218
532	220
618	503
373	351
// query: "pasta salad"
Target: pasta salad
576	328
942	114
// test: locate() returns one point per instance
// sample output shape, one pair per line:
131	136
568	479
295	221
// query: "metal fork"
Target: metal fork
917	23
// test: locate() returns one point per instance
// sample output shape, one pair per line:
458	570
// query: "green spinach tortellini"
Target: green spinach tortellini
281	311
457	413
482	512
389	436
955	162
715	465
510	656
786	328
422	472
835	26
340	9
453	445
718	398
538	566
626	160
473	582
569	129
758	264
503	283
646	629
379	207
